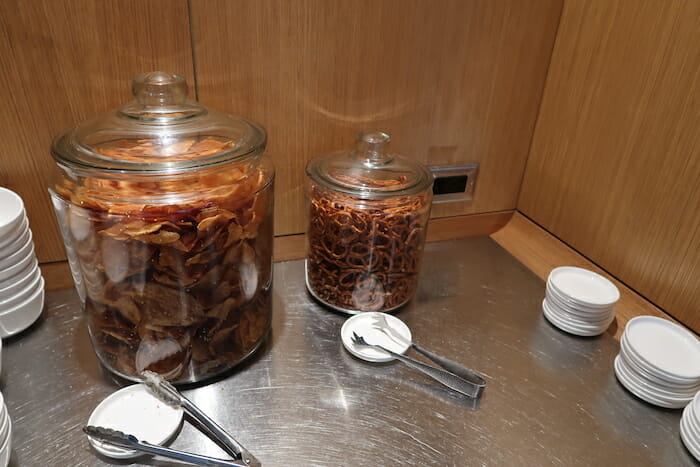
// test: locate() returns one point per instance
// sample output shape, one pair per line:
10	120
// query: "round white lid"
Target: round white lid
665	346
584	286
134	410
369	325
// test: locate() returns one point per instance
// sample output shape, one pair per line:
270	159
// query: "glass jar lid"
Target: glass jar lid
370	170
161	131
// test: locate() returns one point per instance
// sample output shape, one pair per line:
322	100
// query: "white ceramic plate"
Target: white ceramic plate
576	308
364	325
6	448
693	423
639	366
4	430
689	440
696	406
665	346
136	411
4	417
583	286
651	386
590	319
576	322
642	393
585	331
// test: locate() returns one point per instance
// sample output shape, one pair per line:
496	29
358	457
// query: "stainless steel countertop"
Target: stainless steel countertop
303	400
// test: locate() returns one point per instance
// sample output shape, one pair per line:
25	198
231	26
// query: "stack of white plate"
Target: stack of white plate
21	284
5	434
690	426
579	301
659	362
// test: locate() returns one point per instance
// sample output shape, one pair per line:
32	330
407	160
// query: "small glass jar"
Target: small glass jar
369	212
166	212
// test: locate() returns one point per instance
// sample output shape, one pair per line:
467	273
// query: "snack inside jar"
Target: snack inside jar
367	224
171	253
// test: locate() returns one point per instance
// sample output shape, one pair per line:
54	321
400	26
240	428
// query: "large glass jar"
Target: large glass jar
166	208
369	211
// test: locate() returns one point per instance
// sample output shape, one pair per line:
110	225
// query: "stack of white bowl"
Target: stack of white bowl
579	301
21	284
690	426
659	362
5	434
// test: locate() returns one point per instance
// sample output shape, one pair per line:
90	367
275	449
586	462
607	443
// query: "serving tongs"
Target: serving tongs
168	394
127	441
474	382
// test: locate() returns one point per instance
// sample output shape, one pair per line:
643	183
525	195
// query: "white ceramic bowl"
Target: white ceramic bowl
11	211
23	315
15	239
583	286
24	293
18	255
21	280
7	276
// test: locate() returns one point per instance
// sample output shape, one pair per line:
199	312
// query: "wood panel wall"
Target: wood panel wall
453	82
614	168
62	62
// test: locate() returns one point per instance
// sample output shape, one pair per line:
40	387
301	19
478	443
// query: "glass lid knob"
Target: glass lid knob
159	88
373	147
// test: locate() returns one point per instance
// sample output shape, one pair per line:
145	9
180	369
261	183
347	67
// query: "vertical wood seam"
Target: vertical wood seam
539	108
192	48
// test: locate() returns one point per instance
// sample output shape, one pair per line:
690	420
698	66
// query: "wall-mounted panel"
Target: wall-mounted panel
452	82
614	169
64	61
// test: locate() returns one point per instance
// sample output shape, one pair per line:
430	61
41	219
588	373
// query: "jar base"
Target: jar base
346	310
192	380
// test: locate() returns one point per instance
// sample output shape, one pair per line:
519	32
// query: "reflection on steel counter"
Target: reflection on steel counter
302	399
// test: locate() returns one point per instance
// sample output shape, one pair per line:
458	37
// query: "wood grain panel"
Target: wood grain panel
453	82
541	252
62	62
614	168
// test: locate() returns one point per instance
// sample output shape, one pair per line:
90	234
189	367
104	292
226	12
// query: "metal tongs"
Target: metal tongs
452	374
126	441
168	394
